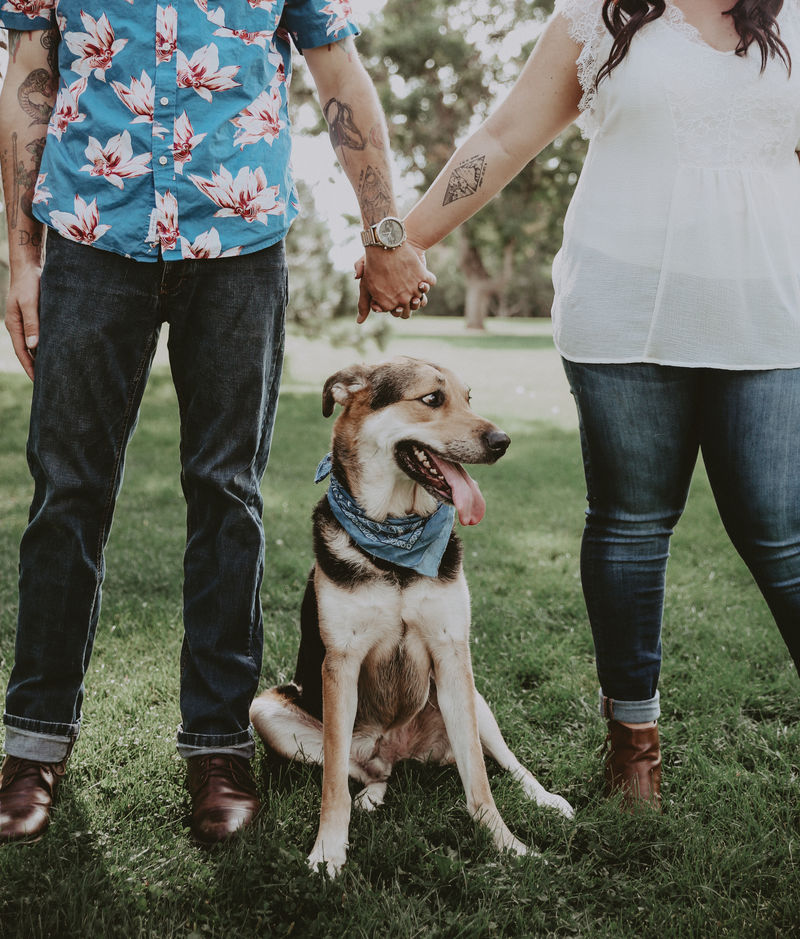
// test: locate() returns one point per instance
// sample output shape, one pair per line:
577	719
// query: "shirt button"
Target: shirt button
164	101
162	160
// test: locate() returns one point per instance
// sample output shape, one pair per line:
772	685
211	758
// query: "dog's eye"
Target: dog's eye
434	400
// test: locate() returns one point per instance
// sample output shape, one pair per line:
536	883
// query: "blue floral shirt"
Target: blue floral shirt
171	129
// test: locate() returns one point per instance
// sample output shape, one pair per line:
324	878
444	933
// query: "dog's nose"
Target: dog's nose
497	442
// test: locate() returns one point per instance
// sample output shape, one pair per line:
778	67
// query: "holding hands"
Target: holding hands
394	281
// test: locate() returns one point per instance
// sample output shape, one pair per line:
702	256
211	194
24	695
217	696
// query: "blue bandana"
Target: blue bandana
411	541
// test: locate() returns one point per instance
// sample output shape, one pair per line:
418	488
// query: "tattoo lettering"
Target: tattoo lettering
374	195
36	95
342	128
465	180
28	238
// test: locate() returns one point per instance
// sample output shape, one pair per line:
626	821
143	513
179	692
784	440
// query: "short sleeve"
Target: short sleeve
27	15
585	22
313	23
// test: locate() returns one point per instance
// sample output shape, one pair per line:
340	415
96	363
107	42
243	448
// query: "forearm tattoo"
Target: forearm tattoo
50	40
342	128
465	179
36	94
23	179
374	195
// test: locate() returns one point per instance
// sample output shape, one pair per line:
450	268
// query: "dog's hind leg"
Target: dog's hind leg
286	727
496	747
456	694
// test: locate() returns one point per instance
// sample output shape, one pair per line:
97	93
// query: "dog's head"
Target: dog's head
405	427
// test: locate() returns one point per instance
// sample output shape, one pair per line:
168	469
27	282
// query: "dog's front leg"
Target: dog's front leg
455	689
339	703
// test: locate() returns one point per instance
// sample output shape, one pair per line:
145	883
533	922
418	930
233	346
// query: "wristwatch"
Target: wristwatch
388	233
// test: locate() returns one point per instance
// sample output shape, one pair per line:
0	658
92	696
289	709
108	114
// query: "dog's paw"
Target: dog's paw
536	791
370	797
559	803
331	861
518	848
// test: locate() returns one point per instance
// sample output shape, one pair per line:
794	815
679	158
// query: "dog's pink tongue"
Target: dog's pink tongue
467	496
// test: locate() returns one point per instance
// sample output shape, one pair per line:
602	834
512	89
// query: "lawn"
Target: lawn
721	861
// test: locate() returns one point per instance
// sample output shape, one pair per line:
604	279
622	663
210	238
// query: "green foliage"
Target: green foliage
722	861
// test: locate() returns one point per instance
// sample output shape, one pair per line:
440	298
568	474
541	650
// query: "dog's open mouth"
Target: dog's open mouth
446	481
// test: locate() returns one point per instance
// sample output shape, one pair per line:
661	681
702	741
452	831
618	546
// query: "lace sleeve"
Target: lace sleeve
585	21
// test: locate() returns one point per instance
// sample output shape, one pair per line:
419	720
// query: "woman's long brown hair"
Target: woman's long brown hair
754	21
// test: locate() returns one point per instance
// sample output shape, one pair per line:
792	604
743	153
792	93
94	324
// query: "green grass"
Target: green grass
722	861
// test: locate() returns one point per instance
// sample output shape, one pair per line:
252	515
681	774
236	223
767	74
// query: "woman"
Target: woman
677	303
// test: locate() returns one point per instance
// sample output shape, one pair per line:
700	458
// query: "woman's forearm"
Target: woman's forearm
542	103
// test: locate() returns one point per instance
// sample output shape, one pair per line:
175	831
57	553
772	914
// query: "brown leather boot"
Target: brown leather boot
27	791
224	797
633	766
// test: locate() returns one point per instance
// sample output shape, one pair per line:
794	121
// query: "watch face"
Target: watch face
390	232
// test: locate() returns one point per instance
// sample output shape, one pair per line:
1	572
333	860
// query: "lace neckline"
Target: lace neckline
676	18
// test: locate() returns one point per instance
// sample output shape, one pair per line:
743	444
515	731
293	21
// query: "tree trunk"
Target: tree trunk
480	286
503	306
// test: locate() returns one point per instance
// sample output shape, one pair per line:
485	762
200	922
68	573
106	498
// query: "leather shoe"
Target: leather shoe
27	790
633	766
224	797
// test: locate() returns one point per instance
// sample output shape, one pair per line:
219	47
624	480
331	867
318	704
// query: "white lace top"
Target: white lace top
682	240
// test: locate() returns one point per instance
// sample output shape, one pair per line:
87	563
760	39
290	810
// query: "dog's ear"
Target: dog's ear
341	387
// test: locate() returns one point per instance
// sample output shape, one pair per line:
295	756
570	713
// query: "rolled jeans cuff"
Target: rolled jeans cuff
240	744
631	712
37	740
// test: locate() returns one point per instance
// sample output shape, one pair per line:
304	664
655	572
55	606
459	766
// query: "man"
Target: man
159	162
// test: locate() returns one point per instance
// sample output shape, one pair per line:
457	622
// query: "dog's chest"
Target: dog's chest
392	631
394	683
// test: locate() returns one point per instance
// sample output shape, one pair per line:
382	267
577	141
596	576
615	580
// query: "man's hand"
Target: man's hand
395	281
22	314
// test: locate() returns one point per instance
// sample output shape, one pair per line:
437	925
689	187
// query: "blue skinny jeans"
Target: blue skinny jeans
100	317
642	427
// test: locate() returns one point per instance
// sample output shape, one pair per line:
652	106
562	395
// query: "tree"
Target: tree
439	66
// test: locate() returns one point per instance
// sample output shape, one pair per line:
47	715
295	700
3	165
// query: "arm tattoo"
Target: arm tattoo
35	96
50	40
342	128
14	42
376	137
465	180
374	195
23	179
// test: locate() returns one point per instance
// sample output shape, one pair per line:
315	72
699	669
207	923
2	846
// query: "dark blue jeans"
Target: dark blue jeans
642	427
100	316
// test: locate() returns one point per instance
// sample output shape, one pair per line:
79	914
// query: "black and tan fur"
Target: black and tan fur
384	652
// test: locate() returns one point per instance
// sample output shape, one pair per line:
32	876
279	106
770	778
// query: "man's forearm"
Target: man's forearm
26	102
356	126
358	134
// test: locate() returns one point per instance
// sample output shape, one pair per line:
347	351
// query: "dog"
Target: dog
384	651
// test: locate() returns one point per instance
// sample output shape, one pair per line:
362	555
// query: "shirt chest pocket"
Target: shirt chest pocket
252	22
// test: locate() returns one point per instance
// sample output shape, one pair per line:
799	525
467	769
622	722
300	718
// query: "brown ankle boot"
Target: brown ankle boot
633	766
27	790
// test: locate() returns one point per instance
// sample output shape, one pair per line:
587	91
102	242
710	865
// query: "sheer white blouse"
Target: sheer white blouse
682	241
